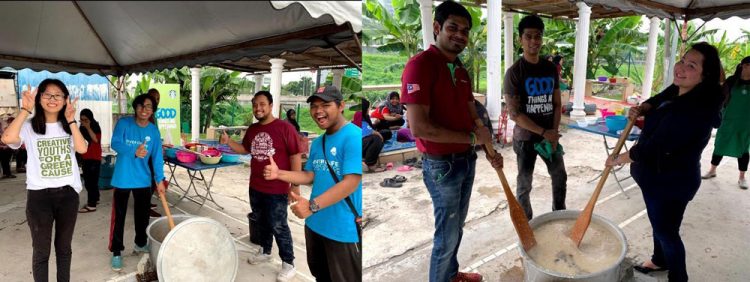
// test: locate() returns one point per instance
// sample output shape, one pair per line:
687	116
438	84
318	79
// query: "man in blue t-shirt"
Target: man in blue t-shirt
332	232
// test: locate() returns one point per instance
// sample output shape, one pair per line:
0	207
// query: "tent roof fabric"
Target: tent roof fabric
674	9
115	37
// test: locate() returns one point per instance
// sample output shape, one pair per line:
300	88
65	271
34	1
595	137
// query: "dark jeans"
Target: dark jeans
21	158
5	155
58	206
385	124
91	180
331	260
271	212
371	147
665	214
449	183
526	159
742	161
141	198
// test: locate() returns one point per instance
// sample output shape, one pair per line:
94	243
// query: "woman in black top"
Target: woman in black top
666	159
291	117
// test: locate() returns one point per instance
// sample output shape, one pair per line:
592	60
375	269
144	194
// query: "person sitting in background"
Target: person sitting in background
392	111
372	143
291	117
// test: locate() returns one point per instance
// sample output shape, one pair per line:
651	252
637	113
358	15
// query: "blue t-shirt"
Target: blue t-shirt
366	129
131	171
344	152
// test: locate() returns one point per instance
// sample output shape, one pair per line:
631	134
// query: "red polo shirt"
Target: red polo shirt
427	80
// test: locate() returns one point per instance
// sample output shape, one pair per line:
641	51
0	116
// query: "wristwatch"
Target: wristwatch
314	206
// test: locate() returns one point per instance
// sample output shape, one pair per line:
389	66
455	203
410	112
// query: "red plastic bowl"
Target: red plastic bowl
211	152
186	157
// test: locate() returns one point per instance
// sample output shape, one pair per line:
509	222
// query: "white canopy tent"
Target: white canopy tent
121	37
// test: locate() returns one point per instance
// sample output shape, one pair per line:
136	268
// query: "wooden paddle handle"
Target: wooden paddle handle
584	219
517	215
166	208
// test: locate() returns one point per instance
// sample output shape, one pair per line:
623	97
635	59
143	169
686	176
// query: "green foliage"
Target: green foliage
474	56
398	32
378	68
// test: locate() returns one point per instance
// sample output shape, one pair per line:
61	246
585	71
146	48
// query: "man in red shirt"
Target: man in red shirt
434	83
269	198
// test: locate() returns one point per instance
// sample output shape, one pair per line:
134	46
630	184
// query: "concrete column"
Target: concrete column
580	59
338	75
670	49
195	108
494	62
425	10
277	66
258	82
648	74
508	28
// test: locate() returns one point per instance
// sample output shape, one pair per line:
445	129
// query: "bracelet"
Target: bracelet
473	138
72	122
27	110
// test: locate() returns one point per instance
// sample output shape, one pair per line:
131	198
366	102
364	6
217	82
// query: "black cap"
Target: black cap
327	93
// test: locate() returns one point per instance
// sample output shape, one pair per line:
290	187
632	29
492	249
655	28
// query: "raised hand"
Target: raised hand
271	171
70	110
141	151
28	97
300	206
224	138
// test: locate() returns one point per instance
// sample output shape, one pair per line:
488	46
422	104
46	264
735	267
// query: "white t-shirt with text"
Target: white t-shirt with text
51	160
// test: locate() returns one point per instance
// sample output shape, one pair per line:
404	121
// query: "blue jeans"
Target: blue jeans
272	222
449	183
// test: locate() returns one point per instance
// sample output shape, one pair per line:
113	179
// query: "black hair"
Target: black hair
140	99
392	95
450	8
264	93
366	112
556	59
94	124
39	121
530	21
711	63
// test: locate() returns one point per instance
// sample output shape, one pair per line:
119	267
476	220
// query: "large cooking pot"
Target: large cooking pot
534	272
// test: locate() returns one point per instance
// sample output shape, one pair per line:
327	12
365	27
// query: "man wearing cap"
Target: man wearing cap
268	139
434	82
332	232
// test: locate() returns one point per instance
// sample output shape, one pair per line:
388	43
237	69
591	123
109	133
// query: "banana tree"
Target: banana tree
399	31
217	86
611	40
474	56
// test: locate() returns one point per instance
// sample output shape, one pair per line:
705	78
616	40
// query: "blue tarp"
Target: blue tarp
88	87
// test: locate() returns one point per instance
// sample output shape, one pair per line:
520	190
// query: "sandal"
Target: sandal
390	183
86	209
419	164
399	178
646	270
375	169
708	175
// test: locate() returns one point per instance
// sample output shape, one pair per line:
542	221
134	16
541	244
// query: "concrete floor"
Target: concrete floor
91	258
715	227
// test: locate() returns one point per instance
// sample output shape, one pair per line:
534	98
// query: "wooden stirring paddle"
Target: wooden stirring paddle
517	215
584	219
166	206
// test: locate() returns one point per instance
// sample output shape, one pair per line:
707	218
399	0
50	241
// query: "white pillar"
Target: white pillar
195	108
508	26
670	50
580	59
494	69
648	74
277	66
425	10
258	82
338	76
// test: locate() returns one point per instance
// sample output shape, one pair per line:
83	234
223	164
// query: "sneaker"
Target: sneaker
467	277
743	184
144	249
258	258
153	213
287	272
708	175
116	263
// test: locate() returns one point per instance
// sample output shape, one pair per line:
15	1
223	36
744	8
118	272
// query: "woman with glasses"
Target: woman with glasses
136	141
52	138
92	159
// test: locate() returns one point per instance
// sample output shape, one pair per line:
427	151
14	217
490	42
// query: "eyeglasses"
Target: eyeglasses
53	97
146	108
